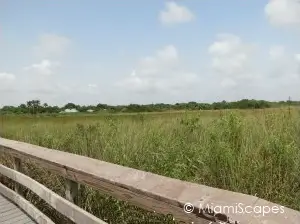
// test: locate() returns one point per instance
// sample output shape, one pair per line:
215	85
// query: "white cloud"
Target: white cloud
277	52
283	12
92	85
231	58
51	88
159	73
244	72
7	76
297	58
7	85
45	67
52	45
278	63
139	84
281	63
92	89
167	54
164	59
175	13
228	83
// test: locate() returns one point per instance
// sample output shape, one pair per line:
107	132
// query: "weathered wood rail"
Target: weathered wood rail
187	202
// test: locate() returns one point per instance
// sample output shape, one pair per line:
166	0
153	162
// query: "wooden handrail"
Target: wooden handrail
60	204
147	190
29	208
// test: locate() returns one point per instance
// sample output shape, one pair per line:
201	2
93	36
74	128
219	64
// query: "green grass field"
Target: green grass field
253	151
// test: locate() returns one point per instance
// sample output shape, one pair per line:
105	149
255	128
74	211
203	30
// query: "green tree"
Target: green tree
34	106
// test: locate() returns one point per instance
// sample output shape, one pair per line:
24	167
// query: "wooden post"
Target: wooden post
17	167
71	190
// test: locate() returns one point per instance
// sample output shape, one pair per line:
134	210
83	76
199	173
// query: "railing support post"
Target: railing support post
71	190
17	167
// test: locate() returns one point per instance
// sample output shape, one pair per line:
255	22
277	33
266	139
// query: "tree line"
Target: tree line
36	107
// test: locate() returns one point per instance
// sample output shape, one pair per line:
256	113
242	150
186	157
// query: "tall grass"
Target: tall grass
257	152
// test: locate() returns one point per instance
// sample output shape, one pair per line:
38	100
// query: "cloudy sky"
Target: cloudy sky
120	52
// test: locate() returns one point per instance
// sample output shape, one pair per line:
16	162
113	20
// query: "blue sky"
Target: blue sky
121	52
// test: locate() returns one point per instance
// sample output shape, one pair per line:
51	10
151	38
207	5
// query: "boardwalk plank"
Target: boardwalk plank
8	212
25	221
7	208
12	214
21	217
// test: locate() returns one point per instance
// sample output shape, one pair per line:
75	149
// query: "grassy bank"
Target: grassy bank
253	152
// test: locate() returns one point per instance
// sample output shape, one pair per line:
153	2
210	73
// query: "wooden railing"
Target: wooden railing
187	202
